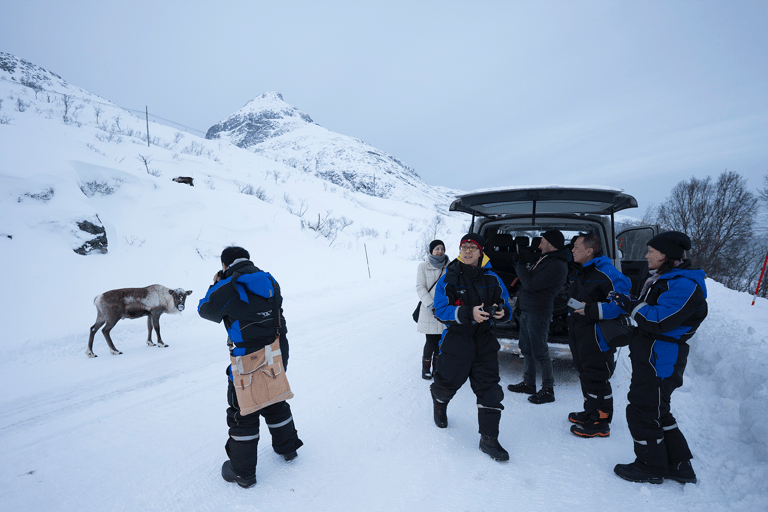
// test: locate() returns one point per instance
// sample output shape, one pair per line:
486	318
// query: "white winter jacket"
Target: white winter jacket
427	276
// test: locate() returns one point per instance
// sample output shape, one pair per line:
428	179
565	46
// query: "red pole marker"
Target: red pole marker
760	281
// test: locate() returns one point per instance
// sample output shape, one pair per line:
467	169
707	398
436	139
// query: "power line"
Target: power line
139	113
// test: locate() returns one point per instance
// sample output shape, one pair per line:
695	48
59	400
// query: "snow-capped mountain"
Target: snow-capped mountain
80	152
272	128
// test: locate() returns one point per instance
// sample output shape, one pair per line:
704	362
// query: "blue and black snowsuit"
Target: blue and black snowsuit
469	350
667	314
248	300
592	356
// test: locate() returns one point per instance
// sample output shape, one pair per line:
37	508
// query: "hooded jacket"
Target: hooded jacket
463	287
248	300
542	282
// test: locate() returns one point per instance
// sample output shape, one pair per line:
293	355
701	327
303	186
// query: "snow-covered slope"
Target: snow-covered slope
270	127
145	430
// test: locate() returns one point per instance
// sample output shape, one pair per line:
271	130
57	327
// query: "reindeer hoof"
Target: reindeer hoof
149	342
161	344
90	354
115	352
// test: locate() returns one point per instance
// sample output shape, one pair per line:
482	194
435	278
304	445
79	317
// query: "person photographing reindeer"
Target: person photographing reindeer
248	300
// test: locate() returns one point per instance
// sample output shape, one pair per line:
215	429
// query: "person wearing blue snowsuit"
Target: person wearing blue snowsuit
464	298
594	279
668	312
249	303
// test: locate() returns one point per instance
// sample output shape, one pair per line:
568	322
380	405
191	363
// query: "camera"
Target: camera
220	275
492	310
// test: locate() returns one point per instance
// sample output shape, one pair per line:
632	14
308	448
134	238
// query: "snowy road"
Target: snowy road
145	430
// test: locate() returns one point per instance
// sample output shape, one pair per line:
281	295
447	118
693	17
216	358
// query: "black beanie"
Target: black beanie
232	253
476	238
554	237
672	244
435	243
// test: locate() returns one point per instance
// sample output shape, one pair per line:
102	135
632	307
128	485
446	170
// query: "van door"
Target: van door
632	245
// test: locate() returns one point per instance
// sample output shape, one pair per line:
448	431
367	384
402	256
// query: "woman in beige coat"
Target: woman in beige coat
426	278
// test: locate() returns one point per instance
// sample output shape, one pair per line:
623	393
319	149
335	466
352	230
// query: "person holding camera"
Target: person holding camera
426	278
469	298
539	286
592	356
671	306
248	300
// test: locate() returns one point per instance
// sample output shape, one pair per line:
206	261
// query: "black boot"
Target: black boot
544	396
638	472
591	428
441	418
578	417
681	472
522	387
426	374
491	446
229	475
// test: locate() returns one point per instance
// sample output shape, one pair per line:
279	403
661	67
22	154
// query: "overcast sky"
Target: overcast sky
471	94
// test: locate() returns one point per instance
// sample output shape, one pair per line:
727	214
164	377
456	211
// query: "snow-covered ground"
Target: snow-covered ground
145	430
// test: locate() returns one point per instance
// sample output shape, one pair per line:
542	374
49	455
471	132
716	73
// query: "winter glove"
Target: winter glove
622	300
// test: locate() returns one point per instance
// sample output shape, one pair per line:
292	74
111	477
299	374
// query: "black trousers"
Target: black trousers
655	375
242	445
595	368
478	362
431	346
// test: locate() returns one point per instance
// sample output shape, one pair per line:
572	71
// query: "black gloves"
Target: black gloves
622	300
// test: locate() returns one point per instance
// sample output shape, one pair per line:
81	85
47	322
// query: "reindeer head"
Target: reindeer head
179	296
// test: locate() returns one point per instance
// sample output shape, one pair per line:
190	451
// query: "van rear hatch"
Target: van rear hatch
543	201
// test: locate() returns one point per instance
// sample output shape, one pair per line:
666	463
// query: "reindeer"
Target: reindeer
151	301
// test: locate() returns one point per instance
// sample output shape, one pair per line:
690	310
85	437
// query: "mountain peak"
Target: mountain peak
264	117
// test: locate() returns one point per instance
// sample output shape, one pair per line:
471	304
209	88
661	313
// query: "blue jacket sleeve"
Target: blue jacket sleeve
619	283
444	310
212	306
674	307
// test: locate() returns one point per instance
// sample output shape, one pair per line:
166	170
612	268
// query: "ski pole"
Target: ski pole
760	281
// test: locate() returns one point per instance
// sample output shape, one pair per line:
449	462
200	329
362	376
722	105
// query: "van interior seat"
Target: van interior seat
522	241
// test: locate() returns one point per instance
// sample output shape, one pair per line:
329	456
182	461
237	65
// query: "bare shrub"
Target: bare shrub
97	110
368	232
328	227
4	119
177	137
94	187
21	105
92	147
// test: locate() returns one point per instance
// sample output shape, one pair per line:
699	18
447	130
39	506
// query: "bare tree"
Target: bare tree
68	101
763	192
718	217
146	160
97	110
21	106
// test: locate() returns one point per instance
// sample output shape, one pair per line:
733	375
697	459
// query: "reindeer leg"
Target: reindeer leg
94	328
105	332
149	331
156	321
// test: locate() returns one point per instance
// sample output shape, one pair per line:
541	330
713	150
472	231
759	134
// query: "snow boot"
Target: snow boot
490	445
229	475
591	428
426	373
522	387
290	456
441	418
544	396
681	472
578	417
638	472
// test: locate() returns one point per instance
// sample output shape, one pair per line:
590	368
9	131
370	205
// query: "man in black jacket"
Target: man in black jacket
248	300
468	299
539	286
